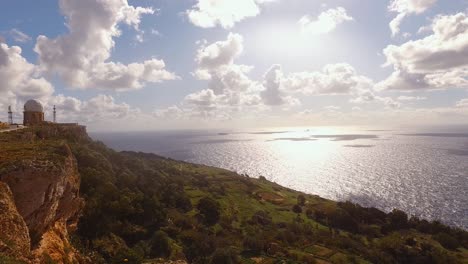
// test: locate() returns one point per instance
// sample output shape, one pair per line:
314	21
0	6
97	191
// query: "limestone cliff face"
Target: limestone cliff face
45	193
14	234
47	202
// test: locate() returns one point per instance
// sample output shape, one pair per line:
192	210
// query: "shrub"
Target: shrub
197	246
210	211
341	219
297	209
160	246
225	256
301	200
262	218
447	241
255	243
398	219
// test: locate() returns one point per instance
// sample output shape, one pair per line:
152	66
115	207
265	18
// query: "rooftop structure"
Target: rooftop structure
33	113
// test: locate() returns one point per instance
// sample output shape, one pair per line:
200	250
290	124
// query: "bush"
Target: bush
398	219
341	219
301	200
262	218
160	246
210	211
197	246
447	241
297	209
254	243
225	256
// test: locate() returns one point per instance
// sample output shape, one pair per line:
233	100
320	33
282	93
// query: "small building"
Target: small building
33	113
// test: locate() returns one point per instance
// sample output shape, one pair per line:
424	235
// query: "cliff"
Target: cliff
14	234
42	174
143	208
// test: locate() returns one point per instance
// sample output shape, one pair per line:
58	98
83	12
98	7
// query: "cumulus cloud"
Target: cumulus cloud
340	78
273	93
225	13
326	22
438	61
99	108
19	78
230	93
229	89
212	58
405	8
81	57
227	81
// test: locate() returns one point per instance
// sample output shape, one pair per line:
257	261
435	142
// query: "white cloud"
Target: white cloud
389	102
171	113
332	108
405	8
81	57
438	61
411	98
156	32
19	78
97	109
212	57
326	22
19	36
339	78
273	93
225	13
230	91
463	103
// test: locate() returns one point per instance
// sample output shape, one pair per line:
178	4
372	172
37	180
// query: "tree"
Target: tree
398	219
210	211
160	246
297	209
301	200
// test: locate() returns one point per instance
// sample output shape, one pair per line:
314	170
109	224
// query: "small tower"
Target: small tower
55	115
10	116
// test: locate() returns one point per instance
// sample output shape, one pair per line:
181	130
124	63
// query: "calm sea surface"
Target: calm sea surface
424	173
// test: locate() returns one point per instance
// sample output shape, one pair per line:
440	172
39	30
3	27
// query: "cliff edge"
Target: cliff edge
39	190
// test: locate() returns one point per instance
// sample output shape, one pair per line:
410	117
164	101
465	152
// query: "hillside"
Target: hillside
136	208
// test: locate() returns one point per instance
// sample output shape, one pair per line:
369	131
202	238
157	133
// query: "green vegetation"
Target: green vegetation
142	207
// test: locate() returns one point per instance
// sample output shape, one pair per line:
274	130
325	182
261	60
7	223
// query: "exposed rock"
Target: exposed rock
274	198
55	246
46	196
46	193
14	235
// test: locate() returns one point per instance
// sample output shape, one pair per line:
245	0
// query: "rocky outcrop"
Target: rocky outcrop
46	192
55	245
14	234
46	195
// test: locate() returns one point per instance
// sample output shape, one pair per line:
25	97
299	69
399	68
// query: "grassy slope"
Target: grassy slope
117	186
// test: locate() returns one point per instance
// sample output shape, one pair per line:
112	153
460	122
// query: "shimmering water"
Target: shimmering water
424	174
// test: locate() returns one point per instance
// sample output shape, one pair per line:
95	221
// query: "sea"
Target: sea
423	172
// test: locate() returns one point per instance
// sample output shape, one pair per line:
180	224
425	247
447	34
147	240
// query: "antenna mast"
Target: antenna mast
10	115
55	115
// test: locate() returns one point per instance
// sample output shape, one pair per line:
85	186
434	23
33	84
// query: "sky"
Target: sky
201	64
